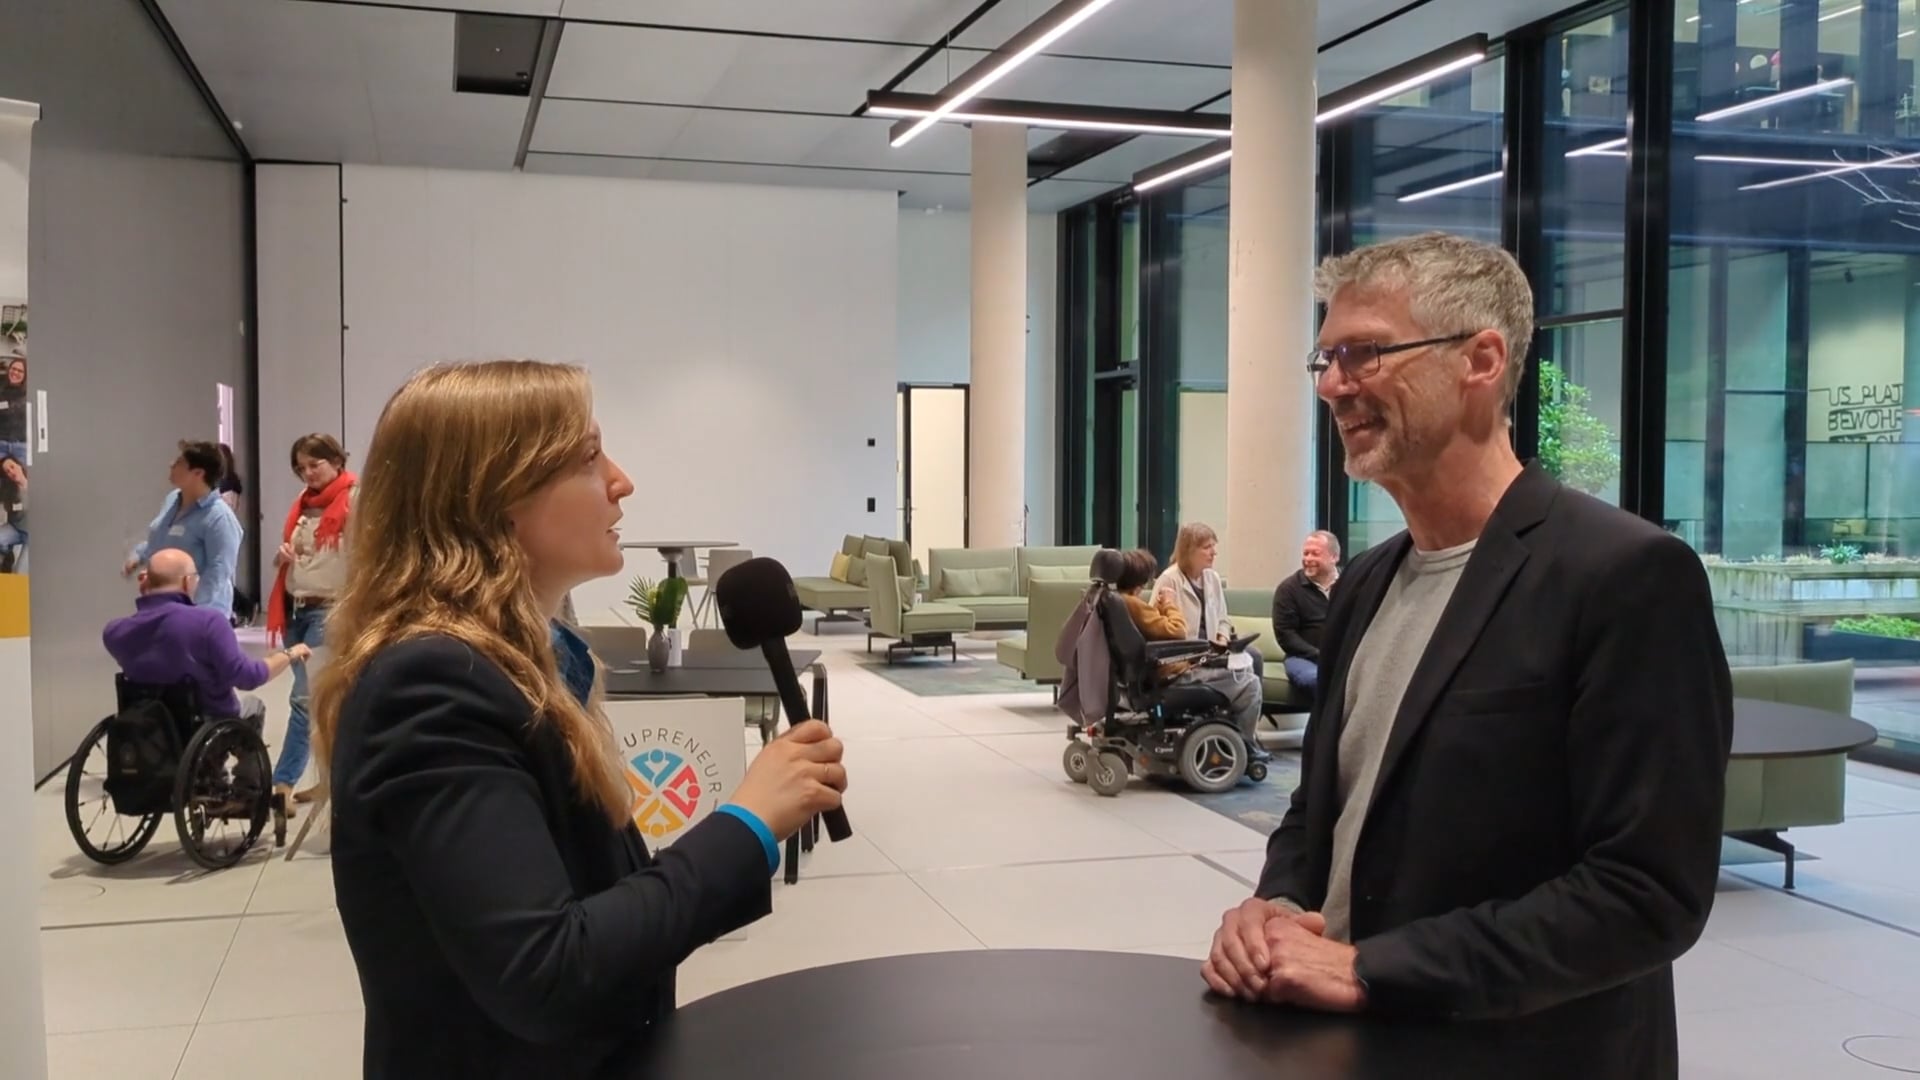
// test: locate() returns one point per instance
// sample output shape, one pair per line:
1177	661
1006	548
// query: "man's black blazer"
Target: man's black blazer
501	926
1544	834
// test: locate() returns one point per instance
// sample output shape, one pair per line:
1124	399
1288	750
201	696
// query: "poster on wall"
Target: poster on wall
15	438
17	435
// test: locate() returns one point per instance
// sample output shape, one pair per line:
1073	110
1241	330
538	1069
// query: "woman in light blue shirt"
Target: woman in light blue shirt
197	521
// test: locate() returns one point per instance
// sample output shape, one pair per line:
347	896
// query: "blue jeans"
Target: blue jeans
1304	674
307	626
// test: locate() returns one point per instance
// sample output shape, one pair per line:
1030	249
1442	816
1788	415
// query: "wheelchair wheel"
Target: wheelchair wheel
223	793
1257	772
1076	761
1212	758
1107	774
104	835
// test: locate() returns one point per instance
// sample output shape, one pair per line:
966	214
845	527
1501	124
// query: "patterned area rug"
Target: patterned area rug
1261	806
937	676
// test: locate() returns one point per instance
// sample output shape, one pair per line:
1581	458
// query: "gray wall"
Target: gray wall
138	280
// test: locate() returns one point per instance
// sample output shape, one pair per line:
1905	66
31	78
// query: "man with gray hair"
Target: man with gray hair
1512	784
1300	609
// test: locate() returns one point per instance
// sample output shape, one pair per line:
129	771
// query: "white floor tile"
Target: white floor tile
1086	905
1713	977
305	884
316	1046
124	1054
100	978
827	921
856	855
1787	1040
285	965
159	883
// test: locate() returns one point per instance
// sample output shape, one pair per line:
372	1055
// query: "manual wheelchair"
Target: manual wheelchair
159	754
1160	728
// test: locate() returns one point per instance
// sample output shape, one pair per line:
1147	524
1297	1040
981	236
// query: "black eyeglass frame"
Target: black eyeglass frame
1319	360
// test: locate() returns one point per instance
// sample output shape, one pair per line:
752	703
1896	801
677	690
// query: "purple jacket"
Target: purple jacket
168	639
1087	674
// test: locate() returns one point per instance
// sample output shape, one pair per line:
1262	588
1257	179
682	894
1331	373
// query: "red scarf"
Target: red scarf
332	503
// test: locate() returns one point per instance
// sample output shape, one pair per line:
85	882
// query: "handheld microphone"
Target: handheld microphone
758	607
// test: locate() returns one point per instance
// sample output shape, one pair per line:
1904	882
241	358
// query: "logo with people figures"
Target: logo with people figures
667	789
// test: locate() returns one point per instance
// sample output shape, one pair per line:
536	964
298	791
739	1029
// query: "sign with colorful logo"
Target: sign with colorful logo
683	758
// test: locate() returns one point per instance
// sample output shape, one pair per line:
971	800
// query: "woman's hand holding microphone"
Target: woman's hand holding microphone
795	777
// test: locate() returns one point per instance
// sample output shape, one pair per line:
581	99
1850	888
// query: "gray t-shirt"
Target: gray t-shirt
1376	681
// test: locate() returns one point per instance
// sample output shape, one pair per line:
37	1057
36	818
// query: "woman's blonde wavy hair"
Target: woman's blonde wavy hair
434	552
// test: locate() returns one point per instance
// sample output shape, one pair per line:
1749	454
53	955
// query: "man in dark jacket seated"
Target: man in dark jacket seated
1300	609
168	639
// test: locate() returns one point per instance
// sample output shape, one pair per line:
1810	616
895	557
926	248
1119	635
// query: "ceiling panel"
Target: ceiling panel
877	20
1120	163
705	134
1085	82
1184	31
863	144
345	82
677	67
493	7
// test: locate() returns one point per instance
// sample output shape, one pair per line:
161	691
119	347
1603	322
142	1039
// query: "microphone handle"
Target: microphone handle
795	703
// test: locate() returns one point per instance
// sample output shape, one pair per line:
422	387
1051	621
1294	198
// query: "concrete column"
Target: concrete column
1270	312
996	426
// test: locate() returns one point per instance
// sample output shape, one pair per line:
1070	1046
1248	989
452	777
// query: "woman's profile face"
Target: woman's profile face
569	527
1204	554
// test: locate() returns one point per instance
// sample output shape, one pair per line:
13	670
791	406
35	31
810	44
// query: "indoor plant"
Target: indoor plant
1575	445
658	604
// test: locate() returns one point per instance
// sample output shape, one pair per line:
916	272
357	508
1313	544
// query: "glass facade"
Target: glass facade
1718	204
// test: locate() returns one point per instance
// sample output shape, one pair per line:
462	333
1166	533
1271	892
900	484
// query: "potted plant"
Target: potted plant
658	604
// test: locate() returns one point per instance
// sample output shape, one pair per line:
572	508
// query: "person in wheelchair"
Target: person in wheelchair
1161	619
169	639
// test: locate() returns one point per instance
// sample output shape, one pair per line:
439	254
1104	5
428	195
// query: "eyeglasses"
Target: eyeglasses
1360	359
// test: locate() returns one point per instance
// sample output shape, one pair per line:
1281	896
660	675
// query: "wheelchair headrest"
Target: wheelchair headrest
1107	566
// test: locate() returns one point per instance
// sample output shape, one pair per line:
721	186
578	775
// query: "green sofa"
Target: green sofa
993	582
1252	613
1049	605
1768	796
892	612
840	599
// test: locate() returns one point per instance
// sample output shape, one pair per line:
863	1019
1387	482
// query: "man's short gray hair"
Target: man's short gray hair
1453	286
1331	542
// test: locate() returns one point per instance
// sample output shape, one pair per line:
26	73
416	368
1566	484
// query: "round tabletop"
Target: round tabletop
1774	729
1013	1014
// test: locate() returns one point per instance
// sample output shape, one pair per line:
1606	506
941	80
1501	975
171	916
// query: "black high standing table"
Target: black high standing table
1018	1014
722	673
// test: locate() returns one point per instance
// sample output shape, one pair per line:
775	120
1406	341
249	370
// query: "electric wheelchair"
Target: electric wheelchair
1154	726
159	754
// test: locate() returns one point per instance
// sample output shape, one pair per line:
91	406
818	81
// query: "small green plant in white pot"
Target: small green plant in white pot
658	604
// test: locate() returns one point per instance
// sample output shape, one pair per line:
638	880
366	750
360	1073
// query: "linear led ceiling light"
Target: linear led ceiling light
1778	99
1043	114
1019	49
1859	166
1389	84
1610	148
1803	163
1457	185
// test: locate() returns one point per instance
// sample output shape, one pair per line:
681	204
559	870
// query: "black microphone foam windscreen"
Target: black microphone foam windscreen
757	603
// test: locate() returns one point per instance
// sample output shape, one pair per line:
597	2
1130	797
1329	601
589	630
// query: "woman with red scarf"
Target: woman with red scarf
313	570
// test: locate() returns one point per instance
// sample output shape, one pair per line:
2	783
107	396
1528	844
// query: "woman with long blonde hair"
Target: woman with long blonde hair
1196	588
503	912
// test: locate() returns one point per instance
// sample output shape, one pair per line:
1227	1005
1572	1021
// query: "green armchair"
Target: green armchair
1766	797
1049	605
893	612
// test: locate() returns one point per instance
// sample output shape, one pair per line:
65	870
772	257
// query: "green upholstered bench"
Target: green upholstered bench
1768	796
839	600
892	612
985	581
1049	605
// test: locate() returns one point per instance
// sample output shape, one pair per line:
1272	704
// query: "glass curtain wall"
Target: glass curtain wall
1431	159
1792	428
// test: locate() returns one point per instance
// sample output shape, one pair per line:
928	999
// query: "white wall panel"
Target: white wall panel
741	338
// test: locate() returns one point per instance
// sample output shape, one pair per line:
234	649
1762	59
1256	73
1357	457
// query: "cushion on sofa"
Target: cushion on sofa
987	581
1057	573
908	589
841	561
857	571
1001	611
853	545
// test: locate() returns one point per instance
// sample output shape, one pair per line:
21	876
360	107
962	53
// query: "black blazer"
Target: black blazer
1544	834
501	926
